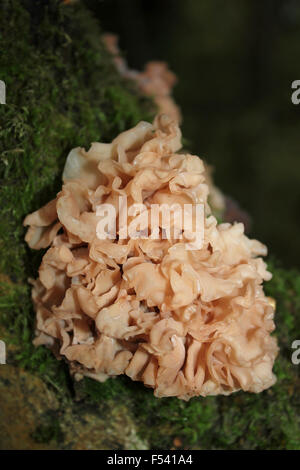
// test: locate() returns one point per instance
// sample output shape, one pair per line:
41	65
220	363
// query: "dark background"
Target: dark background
235	61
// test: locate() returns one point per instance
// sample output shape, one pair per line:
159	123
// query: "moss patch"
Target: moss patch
62	91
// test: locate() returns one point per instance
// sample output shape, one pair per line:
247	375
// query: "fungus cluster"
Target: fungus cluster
184	322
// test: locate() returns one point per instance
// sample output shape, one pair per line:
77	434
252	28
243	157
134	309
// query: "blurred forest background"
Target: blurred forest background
235	62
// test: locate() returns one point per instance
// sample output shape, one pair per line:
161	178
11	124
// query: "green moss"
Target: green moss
63	91
48	431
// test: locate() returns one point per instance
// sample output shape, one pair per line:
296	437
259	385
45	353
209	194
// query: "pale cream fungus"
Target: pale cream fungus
184	322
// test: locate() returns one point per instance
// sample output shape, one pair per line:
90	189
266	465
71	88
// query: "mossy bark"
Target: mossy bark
63	91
